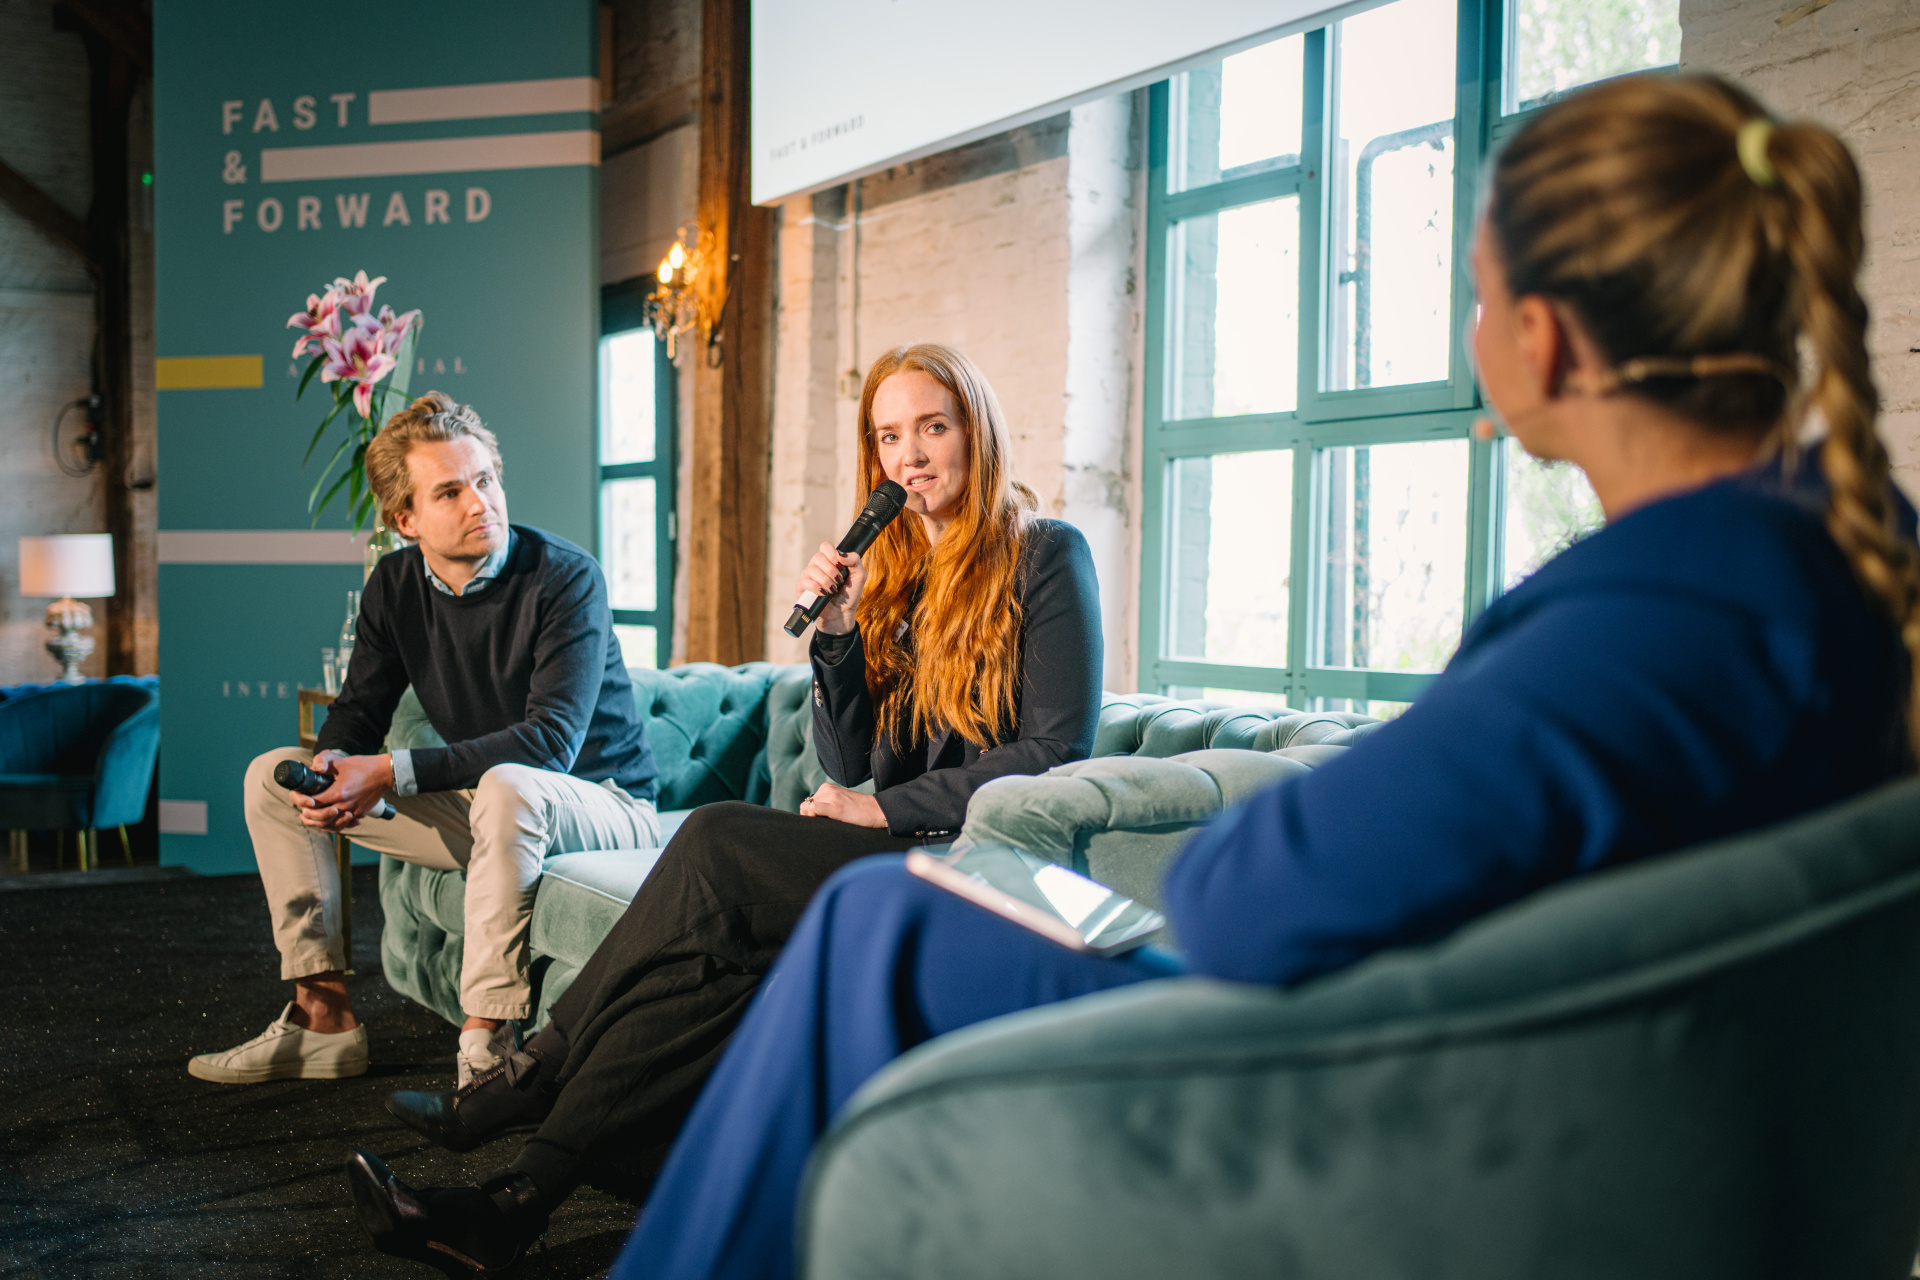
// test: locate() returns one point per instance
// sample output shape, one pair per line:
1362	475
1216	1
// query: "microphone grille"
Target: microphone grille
887	499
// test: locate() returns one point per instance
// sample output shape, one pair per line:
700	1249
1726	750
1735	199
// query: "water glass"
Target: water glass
329	671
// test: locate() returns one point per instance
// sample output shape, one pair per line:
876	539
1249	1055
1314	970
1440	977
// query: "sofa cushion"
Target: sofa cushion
1120	819
1145	724
582	896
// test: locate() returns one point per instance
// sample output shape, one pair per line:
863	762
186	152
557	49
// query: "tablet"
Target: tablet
1042	896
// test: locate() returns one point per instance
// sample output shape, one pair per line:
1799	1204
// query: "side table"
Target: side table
342	849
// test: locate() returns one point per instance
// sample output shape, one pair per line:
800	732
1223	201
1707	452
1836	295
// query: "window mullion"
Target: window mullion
1302	584
1154	522
1486	501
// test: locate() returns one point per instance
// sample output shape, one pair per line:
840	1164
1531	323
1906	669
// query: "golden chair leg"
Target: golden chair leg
126	846
86	854
17	851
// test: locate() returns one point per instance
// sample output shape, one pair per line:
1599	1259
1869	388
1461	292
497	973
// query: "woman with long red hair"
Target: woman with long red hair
964	646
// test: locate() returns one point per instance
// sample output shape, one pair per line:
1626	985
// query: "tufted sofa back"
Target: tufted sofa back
746	732
1145	724
707	725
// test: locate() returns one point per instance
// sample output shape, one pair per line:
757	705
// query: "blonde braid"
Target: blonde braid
1825	243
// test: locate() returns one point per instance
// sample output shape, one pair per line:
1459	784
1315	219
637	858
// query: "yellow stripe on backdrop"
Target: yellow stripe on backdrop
207	373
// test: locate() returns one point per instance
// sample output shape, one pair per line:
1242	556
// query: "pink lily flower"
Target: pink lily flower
393	329
356	295
356	356
321	319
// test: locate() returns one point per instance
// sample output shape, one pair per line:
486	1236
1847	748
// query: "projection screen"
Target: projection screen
843	88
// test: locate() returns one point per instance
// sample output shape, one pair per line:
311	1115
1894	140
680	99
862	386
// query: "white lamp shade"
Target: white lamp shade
77	564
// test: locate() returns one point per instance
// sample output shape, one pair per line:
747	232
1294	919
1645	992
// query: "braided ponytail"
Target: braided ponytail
1825	244
1689	233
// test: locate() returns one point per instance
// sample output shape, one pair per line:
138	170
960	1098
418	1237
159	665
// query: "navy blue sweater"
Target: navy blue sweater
1705	665
525	672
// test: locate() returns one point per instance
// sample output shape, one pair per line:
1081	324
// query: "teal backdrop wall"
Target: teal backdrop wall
451	147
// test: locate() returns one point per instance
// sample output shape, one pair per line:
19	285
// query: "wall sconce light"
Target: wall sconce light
678	301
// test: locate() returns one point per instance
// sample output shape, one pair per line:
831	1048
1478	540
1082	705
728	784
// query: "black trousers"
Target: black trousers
644	1023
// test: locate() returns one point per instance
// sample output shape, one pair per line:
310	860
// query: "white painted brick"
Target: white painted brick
1855	67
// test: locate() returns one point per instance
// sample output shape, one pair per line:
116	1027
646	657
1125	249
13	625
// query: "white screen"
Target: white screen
845	87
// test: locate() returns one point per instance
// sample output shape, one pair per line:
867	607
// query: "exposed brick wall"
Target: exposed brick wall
1855	67
1021	250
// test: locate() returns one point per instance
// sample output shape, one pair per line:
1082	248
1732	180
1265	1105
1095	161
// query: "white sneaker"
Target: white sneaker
482	1050
286	1052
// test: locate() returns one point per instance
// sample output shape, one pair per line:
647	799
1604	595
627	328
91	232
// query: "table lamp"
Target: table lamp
74	567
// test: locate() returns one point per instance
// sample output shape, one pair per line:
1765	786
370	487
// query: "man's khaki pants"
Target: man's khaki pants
498	833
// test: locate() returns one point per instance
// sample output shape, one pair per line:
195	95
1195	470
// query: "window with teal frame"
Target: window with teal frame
636	517
1321	524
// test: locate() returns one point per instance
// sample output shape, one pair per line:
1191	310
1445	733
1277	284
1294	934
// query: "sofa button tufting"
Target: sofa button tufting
726	708
659	709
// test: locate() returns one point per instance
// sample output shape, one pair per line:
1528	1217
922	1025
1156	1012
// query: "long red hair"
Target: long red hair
955	663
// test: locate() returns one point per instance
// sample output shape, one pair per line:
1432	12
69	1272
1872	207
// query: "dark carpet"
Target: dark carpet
114	1162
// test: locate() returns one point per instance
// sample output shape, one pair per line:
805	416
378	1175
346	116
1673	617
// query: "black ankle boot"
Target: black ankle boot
479	1231
512	1098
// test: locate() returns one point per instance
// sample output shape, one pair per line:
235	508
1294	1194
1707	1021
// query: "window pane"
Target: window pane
1363	706
1550	506
1237	117
1392	216
626	397
627	542
1234	319
1244	697
1231	528
1557	45
639	646
1395	542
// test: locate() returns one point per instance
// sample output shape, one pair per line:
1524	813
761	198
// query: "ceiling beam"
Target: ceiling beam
43	211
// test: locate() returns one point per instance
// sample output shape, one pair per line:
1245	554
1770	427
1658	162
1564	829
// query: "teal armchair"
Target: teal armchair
1705	1065
77	758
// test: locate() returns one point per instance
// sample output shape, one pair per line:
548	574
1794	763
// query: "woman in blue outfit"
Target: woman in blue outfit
1734	648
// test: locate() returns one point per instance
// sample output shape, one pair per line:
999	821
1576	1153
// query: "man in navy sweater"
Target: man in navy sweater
505	636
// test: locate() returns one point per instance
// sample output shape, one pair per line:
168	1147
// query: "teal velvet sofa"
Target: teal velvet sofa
1161	768
1701	1066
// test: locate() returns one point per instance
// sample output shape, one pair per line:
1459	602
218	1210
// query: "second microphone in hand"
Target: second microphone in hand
883	504
295	776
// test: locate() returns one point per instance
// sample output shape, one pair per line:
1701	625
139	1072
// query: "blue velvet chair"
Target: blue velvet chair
1700	1066
77	758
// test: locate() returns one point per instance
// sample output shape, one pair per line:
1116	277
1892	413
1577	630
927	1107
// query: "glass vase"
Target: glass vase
379	542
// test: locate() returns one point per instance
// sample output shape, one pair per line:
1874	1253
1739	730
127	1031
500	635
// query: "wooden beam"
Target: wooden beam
43	211
732	371
121	25
112	82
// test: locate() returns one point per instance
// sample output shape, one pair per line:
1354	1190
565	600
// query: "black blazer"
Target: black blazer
924	791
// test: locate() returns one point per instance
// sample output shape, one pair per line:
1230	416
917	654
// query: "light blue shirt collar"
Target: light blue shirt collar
489	570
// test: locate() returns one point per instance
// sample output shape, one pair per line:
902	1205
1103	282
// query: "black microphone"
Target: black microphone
883	504
295	776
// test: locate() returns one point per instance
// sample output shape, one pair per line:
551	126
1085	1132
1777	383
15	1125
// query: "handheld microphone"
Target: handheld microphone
295	776
883	504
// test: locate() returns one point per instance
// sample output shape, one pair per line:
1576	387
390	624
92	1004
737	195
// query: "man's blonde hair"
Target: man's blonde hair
432	419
